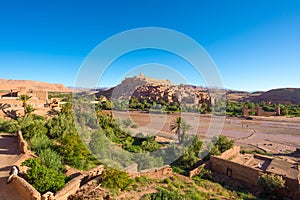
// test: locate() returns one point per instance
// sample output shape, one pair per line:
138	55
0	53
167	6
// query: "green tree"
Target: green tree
67	108
24	98
180	127
28	109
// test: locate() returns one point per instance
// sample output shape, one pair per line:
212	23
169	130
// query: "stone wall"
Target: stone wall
23	187
156	173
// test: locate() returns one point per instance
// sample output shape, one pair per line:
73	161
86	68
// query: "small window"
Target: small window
229	172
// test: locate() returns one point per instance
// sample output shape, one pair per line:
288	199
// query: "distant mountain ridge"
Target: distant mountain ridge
33	85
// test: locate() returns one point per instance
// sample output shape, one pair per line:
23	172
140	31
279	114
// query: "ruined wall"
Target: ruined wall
259	112
74	185
21	142
234	151
156	173
239	172
245	111
70	188
23	187
292	185
197	170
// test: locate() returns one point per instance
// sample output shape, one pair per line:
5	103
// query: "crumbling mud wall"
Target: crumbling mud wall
156	173
197	170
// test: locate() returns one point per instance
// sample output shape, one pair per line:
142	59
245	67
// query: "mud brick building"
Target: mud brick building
248	167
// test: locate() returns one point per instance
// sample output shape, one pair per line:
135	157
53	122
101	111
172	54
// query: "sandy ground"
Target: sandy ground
272	134
9	154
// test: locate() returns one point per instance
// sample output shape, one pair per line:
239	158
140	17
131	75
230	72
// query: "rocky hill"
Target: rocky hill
33	85
282	95
145	88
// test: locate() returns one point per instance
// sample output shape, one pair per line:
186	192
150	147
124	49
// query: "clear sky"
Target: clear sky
254	43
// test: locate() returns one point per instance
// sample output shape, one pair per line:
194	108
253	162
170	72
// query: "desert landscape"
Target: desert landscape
150	100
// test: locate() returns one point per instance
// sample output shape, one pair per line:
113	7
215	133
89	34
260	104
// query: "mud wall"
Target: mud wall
157	173
21	142
28	191
197	170
235	170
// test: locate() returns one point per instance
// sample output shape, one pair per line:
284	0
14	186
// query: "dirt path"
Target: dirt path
9	154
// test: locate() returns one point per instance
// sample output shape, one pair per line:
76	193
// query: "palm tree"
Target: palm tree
180	127
28	109
24	98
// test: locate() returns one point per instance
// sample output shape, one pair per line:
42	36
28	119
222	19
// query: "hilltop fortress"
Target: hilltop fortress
146	88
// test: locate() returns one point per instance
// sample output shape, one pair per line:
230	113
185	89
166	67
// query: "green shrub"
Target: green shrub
143	180
163	194
9	126
44	179
270	182
51	159
40	142
115	179
31	125
127	122
150	144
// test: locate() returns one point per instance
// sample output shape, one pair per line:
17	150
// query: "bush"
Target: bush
40	142
204	174
143	180
190	156
127	122
42	178
10	126
115	179
221	145
270	183
51	159
150	144
31	125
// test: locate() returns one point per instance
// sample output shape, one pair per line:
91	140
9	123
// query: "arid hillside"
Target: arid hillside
33	85
280	95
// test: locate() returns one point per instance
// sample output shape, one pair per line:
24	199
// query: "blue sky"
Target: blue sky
255	44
